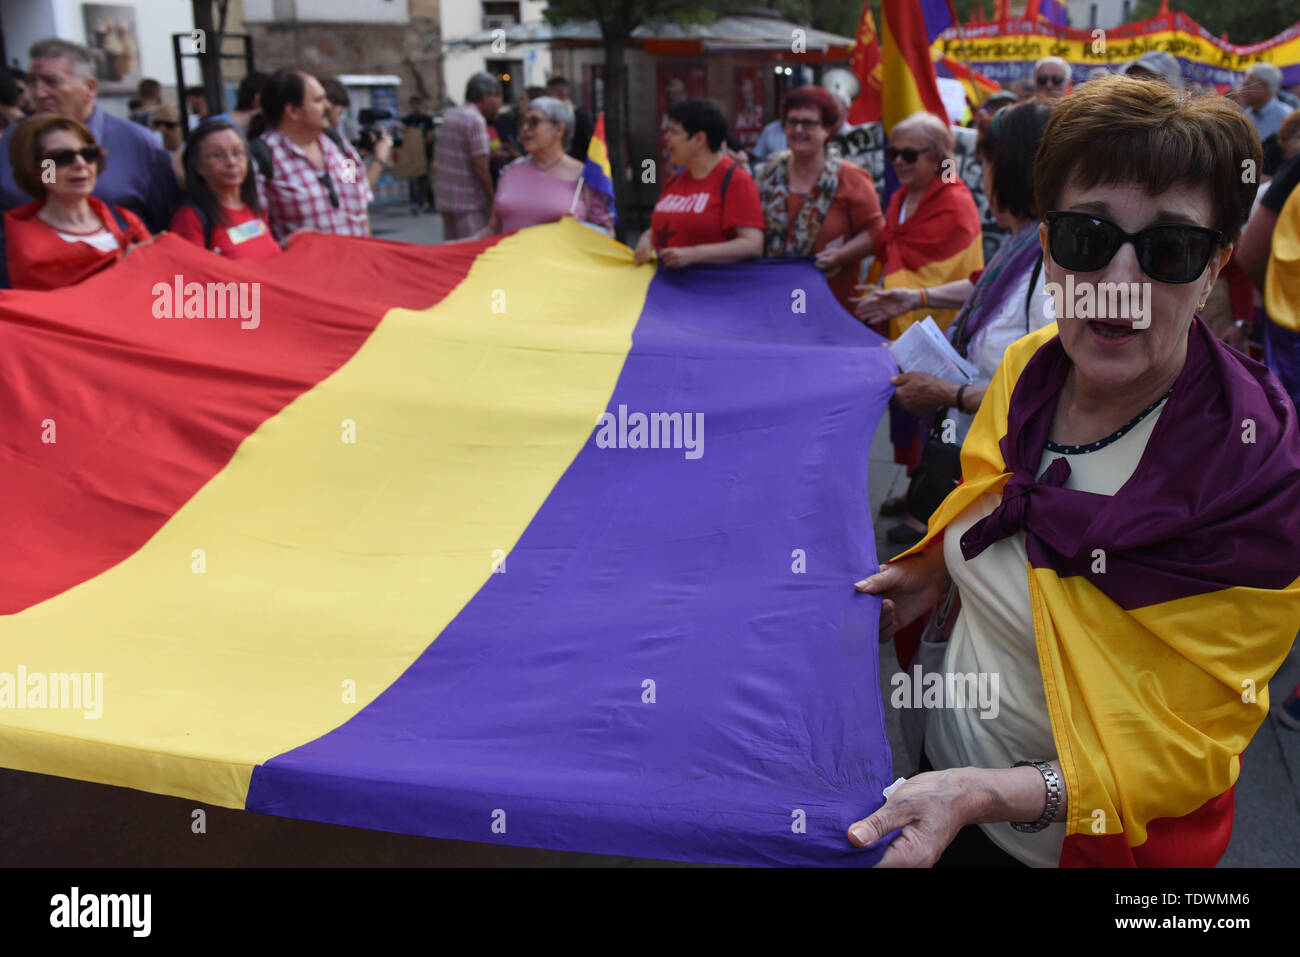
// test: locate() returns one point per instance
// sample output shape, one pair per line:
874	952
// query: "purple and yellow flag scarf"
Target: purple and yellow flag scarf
507	541
1156	659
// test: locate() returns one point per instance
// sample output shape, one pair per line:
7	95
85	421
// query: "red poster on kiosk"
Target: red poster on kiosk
748	109
676	83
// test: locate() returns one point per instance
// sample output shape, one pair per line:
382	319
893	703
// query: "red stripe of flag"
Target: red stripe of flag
115	417
905	25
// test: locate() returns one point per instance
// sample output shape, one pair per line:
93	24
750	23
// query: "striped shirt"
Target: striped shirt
462	136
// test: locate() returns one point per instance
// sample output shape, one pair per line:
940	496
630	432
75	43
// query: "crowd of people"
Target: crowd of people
243	181
1135	177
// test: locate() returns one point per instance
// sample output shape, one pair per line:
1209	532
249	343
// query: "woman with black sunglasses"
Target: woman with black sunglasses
1124	541
66	234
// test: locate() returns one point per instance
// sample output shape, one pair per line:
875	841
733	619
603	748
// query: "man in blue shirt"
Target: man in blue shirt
139	173
770	141
1258	93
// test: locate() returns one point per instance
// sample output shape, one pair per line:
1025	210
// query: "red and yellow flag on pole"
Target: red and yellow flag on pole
978	87
865	65
907	71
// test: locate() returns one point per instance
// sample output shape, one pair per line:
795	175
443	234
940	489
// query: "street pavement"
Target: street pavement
396	222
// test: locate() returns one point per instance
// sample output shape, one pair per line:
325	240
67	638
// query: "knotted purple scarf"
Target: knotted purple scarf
1213	503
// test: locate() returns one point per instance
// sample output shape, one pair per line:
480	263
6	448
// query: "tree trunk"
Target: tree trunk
615	122
210	59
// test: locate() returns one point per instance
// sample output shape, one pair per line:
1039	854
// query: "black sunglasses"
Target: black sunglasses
329	187
909	155
1051	78
1173	253
169	124
91	154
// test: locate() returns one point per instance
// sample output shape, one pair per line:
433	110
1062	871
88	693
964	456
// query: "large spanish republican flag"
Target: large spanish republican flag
941	242
507	541
1160	613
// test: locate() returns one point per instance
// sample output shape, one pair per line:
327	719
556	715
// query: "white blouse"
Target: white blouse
102	240
1008	324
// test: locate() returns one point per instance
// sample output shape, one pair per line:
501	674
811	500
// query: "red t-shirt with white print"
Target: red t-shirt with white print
692	212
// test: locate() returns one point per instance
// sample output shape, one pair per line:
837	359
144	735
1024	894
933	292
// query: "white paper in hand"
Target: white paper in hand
923	348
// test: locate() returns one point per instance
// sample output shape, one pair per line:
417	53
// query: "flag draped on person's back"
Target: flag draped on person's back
1157	628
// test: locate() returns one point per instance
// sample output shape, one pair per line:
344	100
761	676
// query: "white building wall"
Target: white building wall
329	11
26	21
1109	13
463	18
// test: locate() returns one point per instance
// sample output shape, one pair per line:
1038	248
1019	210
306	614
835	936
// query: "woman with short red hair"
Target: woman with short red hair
815	204
66	234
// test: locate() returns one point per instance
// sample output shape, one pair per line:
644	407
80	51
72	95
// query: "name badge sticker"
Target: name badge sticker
246	231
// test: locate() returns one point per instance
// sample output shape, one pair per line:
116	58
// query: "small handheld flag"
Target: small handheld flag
596	171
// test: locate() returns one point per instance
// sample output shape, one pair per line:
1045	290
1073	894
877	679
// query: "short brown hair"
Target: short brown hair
335	91
1116	129
26	154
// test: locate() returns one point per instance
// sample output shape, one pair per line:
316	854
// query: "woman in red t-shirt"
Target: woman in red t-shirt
65	235
709	212
222	212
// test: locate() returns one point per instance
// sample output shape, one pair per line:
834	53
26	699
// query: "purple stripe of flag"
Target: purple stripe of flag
938	17
726	580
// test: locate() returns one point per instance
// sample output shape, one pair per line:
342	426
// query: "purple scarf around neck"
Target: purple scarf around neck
1213	503
1013	261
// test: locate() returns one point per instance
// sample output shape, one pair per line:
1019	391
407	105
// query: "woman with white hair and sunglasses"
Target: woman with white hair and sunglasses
1123	546
931	240
547	184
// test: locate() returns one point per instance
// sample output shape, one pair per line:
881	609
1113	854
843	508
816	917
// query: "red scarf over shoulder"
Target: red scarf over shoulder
39	259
